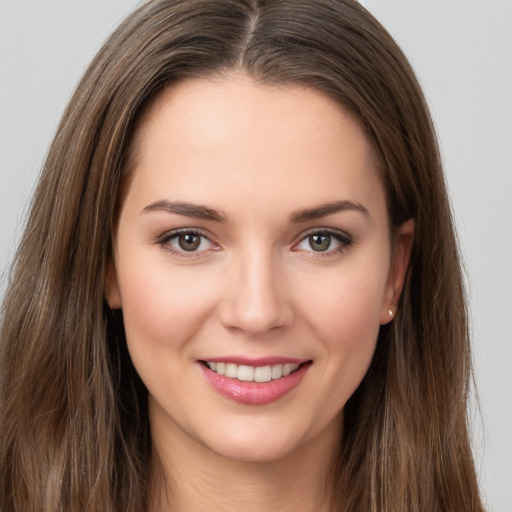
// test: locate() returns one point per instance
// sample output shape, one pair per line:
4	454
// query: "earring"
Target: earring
390	313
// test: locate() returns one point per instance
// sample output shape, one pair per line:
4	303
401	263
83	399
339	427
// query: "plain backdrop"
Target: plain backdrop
462	53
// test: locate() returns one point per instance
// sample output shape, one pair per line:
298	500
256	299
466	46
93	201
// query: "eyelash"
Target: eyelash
164	240
342	238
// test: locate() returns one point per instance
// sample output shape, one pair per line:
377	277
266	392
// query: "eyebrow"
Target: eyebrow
187	209
327	209
206	213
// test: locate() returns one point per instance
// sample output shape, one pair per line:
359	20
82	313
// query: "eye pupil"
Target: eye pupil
320	242
189	241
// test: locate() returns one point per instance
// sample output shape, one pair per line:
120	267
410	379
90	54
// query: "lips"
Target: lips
255	382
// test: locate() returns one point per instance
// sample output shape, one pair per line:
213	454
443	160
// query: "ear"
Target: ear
401	256
112	293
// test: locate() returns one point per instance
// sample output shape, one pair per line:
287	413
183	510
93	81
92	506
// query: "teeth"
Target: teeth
252	373
231	370
245	373
277	371
263	373
287	369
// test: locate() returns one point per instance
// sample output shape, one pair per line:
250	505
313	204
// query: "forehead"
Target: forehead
202	138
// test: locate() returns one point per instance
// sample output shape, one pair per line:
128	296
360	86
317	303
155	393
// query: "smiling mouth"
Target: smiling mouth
246	373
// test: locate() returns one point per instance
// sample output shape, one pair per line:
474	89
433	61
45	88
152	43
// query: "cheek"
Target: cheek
348	304
343	313
162	308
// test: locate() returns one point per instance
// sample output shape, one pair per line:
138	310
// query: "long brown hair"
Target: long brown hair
74	428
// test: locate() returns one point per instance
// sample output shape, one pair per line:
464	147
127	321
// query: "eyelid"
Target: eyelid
342	237
164	239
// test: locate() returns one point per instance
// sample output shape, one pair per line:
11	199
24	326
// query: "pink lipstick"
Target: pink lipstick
254	381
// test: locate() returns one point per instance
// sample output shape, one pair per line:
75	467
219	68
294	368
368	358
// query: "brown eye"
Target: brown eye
189	241
324	242
319	242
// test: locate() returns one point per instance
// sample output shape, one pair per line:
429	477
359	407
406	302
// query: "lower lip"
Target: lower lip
255	393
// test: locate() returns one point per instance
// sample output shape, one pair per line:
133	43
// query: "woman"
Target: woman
240	277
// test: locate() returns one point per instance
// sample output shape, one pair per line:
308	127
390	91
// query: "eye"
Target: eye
324	242
186	242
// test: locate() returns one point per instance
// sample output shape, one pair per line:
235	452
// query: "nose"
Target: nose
256	299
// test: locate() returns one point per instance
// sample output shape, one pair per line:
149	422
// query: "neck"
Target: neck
189	476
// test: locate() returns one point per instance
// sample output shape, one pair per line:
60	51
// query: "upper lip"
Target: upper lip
259	361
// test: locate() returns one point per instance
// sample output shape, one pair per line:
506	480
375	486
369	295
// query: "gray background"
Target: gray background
462	52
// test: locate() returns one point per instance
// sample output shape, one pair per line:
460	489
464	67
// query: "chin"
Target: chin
255	449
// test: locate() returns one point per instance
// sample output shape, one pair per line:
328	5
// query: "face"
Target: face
253	264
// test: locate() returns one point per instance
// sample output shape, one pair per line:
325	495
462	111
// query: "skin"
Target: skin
255	287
